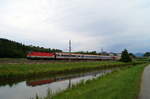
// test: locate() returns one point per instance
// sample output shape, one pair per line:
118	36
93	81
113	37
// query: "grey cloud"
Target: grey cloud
113	25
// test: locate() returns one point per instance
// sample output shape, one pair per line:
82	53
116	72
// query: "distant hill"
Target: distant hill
139	54
12	49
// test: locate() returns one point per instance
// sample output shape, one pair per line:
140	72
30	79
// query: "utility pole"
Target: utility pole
69	50
102	51
70	46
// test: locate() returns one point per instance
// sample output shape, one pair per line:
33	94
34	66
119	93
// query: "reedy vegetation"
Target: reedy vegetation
12	71
27	70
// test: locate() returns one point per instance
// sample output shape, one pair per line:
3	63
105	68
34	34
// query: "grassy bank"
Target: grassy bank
8	71
27	70
123	84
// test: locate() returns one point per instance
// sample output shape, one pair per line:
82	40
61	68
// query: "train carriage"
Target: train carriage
66	56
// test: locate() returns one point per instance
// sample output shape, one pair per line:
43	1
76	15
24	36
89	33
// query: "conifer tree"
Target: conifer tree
125	57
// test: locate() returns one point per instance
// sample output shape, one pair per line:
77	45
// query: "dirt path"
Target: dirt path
145	85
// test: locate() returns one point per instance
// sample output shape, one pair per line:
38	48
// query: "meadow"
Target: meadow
27	70
23	70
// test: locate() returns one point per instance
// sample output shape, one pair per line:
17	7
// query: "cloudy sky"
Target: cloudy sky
91	24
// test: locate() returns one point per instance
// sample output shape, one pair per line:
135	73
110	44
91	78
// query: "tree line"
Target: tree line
12	49
147	54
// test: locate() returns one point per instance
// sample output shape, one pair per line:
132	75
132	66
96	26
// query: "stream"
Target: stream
30	88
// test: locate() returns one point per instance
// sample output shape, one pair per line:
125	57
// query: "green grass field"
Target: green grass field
27	70
123	84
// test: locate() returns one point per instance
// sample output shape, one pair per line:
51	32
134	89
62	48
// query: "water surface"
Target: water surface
31	88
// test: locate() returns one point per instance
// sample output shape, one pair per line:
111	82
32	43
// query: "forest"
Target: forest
13	49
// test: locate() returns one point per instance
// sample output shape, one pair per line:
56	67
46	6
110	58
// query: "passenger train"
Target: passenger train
67	56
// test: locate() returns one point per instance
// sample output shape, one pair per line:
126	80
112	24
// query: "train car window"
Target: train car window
73	55
66	55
